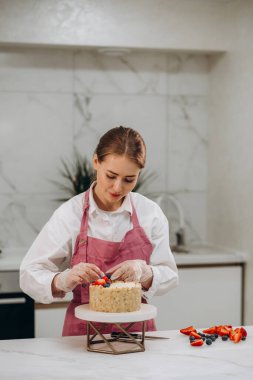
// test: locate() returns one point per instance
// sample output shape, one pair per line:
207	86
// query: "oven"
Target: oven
16	308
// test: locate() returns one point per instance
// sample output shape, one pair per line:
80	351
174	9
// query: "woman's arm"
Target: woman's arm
49	254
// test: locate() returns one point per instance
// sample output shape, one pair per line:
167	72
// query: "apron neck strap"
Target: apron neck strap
84	223
134	217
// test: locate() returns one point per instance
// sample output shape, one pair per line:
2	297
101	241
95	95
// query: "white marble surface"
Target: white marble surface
55	100
175	358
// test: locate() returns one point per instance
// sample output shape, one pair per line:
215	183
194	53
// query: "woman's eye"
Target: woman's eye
129	180
110	176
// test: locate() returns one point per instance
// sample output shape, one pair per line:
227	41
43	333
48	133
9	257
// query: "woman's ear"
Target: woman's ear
95	161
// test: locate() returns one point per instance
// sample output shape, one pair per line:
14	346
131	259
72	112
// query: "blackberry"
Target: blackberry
224	337
209	341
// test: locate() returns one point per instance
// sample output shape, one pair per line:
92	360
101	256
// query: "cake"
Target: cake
119	297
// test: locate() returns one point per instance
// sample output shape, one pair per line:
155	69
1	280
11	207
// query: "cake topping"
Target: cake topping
103	281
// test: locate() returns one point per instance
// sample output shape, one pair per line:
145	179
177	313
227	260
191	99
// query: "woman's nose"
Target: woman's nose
117	186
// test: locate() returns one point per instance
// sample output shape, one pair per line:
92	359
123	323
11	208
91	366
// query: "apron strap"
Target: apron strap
134	217
84	222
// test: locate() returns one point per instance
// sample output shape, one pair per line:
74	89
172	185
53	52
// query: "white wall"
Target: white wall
54	100
230	156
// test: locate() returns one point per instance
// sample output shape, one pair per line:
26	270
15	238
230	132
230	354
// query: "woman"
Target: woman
107	229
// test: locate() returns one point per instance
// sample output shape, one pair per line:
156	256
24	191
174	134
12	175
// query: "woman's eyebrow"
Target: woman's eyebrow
117	174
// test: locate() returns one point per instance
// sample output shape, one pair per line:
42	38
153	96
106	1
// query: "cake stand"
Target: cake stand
115	345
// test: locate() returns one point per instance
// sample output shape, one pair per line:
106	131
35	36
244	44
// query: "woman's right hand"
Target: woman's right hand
79	274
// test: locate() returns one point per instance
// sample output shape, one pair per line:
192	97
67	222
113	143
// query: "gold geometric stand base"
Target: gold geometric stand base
115	345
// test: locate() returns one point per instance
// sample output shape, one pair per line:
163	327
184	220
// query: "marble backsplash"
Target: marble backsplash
54	100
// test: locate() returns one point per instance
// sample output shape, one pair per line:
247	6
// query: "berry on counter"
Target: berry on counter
211	334
195	335
197	342
188	330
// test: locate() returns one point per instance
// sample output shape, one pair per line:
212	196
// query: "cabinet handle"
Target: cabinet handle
5	301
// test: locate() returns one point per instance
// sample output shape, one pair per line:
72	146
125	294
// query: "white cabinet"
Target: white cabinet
49	320
206	296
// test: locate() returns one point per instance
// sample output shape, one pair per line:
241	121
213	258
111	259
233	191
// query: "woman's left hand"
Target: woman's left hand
131	270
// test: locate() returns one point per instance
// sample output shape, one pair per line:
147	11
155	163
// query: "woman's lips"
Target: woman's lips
115	195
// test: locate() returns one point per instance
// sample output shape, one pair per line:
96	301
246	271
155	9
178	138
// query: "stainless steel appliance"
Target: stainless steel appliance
16	308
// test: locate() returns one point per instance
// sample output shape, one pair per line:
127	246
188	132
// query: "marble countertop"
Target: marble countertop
200	254
67	358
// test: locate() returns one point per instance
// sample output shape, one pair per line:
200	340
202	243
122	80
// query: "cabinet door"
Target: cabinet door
49	321
206	296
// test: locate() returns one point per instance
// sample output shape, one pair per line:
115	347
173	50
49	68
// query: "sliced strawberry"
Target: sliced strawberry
231	334
210	330
198	342
106	279
243	331
237	336
100	281
223	330
188	330
196	335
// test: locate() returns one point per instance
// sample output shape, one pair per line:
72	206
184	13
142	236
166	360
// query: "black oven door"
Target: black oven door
16	316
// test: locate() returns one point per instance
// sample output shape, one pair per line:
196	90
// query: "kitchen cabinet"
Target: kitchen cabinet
49	319
206	296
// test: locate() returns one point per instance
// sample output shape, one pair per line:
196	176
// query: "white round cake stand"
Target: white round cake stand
111	345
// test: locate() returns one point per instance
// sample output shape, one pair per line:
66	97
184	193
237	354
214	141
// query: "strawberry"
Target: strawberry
196	335
100	281
106	279
223	330
210	330
231	334
188	330
243	331
198	342
237	336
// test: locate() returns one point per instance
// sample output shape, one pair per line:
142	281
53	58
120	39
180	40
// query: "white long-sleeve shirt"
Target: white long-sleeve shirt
53	248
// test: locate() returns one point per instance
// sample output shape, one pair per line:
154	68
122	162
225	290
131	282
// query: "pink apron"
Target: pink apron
104	254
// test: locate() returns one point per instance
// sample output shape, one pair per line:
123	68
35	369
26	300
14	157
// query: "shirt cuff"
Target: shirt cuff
148	294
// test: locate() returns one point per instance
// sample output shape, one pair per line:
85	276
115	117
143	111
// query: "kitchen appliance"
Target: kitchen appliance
16	308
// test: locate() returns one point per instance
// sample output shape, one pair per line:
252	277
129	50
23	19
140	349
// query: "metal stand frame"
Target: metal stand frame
111	347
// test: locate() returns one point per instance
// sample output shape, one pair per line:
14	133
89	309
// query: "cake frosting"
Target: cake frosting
119	297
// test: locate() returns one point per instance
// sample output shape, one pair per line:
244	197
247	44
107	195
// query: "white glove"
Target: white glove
79	274
131	270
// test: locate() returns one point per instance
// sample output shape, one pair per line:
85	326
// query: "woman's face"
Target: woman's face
116	177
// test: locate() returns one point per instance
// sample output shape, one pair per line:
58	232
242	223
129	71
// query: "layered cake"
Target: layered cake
117	297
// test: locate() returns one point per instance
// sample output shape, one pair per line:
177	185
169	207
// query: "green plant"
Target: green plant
80	174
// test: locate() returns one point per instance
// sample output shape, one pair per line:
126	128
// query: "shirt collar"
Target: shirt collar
126	205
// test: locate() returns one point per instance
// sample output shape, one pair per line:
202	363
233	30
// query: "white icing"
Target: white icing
123	285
